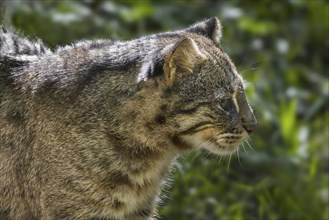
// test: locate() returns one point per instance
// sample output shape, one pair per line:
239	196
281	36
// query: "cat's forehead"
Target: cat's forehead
223	71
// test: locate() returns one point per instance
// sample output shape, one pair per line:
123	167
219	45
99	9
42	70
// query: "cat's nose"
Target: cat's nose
250	125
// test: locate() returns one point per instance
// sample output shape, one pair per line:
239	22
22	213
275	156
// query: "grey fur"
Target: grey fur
90	131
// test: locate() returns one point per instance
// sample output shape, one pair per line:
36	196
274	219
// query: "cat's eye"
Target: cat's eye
223	102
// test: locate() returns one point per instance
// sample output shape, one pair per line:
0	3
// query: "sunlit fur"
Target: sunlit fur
90	131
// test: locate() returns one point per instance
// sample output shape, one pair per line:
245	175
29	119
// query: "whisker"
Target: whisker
228	164
220	160
195	156
237	151
207	152
247	70
257	62
206	155
250	146
209	139
244	148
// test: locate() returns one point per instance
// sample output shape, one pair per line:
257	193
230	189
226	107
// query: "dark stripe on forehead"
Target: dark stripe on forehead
16	46
226	65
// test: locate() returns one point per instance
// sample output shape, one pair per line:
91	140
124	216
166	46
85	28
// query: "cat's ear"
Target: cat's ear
181	60
210	28
172	62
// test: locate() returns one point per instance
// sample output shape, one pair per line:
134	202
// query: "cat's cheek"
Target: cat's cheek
209	140
201	139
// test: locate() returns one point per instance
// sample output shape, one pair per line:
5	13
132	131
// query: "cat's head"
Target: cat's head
204	102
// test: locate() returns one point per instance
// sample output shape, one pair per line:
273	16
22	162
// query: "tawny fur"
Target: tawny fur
90	131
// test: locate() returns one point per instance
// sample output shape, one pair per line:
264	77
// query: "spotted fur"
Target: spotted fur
89	131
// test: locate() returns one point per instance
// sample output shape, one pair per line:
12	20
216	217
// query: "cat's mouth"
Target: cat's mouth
210	138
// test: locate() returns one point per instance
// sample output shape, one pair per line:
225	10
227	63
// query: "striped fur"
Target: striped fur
90	130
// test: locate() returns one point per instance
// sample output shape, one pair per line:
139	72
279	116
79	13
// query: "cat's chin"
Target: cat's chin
220	149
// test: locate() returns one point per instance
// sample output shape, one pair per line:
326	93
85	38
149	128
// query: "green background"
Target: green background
282	50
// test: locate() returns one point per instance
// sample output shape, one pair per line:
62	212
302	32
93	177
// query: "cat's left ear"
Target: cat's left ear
182	60
172	62
210	28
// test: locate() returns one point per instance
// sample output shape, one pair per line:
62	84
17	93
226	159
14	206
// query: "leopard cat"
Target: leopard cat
91	130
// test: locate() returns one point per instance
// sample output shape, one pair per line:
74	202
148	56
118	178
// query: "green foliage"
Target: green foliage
281	49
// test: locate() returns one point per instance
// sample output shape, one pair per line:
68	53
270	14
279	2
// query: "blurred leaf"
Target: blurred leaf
256	27
288	122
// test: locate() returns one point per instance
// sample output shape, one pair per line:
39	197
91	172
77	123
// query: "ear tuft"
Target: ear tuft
210	28
183	59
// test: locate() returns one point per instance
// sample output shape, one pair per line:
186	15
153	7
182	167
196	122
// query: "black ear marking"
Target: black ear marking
9	63
182	56
151	68
210	28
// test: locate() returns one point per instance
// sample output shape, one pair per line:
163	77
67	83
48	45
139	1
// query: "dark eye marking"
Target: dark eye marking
192	109
187	101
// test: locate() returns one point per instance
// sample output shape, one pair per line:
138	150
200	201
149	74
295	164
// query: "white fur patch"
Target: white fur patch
235	102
